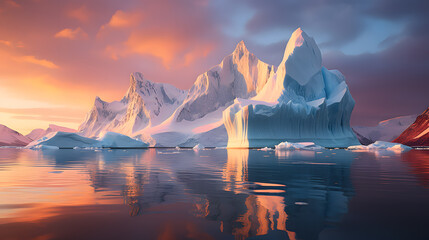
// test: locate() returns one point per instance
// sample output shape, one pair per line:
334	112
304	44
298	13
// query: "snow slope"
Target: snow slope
301	102
386	130
418	133
145	104
38	132
9	137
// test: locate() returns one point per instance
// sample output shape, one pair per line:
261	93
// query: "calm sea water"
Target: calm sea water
213	194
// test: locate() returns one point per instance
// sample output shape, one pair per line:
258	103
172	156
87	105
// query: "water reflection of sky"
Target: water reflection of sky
212	194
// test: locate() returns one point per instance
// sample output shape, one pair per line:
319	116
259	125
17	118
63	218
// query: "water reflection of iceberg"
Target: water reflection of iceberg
293	196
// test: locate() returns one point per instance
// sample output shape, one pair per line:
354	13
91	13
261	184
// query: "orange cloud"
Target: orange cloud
201	51
7	43
82	14
34	60
165	46
168	46
124	19
71	33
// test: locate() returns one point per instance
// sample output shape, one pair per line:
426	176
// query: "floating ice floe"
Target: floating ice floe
198	147
297	146
45	147
381	145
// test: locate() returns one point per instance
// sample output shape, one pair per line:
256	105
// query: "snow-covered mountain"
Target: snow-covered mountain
39	132
145	104
386	130
9	137
418	133
240	75
301	102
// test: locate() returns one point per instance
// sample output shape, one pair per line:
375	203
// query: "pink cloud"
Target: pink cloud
125	19
82	13
69	33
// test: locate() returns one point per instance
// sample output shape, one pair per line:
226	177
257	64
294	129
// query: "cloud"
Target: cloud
7	43
69	33
82	13
46	114
124	19
34	60
387	84
175	34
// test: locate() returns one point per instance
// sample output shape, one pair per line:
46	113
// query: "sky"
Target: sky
57	56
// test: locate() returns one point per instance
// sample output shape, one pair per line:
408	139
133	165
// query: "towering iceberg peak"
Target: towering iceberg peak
302	58
301	68
302	101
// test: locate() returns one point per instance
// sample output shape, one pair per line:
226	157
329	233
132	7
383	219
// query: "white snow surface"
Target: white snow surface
382	145
301	102
9	137
387	130
39	132
297	146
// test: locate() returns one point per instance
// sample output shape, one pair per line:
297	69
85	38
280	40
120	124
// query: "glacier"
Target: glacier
301	102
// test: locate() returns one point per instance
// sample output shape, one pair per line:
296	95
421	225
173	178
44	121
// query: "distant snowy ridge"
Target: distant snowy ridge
386	130
9	137
301	102
39	132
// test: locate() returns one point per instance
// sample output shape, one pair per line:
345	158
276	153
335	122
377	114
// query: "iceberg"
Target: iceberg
381	145
301	102
117	140
66	140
